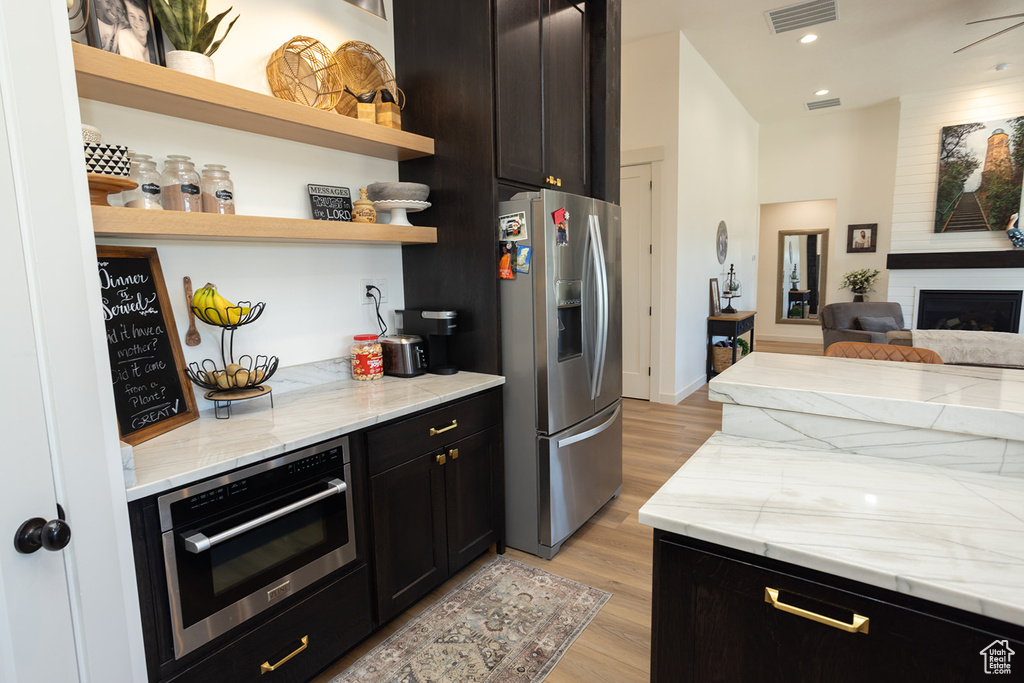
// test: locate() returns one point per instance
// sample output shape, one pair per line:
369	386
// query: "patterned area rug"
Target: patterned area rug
507	622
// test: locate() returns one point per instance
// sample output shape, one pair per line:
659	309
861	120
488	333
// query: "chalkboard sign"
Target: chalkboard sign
152	393
330	203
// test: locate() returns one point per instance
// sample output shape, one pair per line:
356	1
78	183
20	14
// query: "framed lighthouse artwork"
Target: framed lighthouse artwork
980	168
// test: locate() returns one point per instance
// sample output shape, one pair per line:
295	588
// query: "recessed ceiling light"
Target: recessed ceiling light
1002	67
823	91
809	38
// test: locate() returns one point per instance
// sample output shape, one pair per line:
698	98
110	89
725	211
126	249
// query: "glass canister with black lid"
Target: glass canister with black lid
180	182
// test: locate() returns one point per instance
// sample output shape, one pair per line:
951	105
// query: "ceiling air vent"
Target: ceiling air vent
801	16
823	104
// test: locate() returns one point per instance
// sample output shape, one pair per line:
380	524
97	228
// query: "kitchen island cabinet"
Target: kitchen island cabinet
437	497
713	621
774	562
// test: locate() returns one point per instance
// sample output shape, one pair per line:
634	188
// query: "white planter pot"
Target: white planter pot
194	63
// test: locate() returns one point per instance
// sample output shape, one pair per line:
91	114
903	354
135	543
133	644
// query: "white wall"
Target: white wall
922	118
709	174
848	156
312	291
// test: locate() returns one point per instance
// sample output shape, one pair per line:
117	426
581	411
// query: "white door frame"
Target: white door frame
655	157
76	410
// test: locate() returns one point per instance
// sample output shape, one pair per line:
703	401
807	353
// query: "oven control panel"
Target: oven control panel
250	484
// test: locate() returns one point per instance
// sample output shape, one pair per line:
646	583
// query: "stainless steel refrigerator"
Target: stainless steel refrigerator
561	324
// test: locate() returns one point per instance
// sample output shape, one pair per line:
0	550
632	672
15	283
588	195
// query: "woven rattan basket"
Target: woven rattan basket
303	70
721	358
363	70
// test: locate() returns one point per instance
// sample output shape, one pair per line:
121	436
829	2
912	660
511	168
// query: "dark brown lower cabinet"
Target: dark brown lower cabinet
296	644
712	622
437	496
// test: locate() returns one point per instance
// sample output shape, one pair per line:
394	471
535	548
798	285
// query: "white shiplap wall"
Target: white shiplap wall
922	118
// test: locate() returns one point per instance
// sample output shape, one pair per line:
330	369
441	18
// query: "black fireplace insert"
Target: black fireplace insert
988	310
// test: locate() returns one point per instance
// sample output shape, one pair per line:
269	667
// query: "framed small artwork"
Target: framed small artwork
716	298
126	27
861	238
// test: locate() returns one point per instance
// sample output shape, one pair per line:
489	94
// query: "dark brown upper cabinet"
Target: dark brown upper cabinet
541	91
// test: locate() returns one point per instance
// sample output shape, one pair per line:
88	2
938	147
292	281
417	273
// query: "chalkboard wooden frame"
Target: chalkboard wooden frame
169	338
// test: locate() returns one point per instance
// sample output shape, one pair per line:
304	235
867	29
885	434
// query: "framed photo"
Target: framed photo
126	27
861	238
716	298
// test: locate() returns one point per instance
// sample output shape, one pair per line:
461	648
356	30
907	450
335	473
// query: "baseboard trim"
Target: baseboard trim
676	399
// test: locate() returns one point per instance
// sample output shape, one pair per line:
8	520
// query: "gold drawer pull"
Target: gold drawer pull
267	667
440	459
434	431
859	625
453	453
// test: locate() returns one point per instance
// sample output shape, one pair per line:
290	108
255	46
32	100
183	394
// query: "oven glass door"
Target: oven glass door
224	570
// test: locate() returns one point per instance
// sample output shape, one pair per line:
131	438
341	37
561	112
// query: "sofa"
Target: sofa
861	321
966	347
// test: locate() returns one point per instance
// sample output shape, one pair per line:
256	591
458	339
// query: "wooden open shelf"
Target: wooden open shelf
107	77
115	221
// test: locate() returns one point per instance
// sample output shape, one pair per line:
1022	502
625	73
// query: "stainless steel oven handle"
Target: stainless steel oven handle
198	542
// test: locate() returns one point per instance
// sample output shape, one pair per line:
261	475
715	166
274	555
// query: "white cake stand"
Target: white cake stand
398	208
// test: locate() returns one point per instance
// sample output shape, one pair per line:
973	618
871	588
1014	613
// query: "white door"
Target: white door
36	636
637	261
69	615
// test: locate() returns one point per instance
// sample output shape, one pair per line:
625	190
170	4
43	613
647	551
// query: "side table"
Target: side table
730	325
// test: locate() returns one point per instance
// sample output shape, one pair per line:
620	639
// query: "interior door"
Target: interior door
36	637
637	265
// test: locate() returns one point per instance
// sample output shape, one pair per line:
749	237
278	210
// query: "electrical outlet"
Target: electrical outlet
382	284
364	290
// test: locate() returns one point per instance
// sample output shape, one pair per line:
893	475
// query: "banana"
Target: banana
214	309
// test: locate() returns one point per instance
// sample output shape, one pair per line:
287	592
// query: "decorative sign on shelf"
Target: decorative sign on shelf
330	203
152	393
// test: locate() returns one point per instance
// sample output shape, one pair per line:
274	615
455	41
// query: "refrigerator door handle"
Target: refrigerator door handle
602	303
583	436
589	343
593	266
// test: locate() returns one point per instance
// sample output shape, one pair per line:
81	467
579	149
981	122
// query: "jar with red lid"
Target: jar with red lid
367	357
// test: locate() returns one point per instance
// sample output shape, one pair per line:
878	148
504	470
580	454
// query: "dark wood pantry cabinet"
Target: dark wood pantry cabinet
714	620
512	92
437	497
541	86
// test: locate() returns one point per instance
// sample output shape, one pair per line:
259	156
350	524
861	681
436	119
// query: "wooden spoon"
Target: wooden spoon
192	337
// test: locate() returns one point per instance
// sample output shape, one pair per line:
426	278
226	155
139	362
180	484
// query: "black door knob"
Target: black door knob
37	533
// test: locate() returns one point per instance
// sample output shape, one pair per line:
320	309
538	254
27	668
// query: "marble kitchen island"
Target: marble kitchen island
852	488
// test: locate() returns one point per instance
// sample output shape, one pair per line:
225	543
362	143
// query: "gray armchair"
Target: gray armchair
841	321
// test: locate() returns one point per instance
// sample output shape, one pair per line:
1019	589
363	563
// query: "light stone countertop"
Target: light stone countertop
981	401
940	534
255	431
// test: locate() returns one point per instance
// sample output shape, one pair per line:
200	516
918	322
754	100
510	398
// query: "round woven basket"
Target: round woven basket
363	70
303	70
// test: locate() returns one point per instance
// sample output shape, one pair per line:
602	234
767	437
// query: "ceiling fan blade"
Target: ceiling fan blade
998	33
1008	16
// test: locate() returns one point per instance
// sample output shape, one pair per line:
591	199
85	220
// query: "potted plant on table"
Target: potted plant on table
860	282
192	32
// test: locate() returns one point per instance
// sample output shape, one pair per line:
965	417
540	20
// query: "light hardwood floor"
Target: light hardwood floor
612	551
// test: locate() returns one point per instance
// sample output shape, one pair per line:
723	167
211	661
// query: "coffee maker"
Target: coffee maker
436	327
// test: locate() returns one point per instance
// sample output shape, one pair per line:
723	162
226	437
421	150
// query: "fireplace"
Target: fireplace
991	310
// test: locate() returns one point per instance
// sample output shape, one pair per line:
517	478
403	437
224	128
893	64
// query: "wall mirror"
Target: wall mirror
802	270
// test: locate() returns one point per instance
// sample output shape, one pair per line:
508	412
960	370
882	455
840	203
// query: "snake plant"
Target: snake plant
189	27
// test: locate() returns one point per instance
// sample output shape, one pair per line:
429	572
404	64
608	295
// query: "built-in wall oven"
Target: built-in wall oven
235	545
